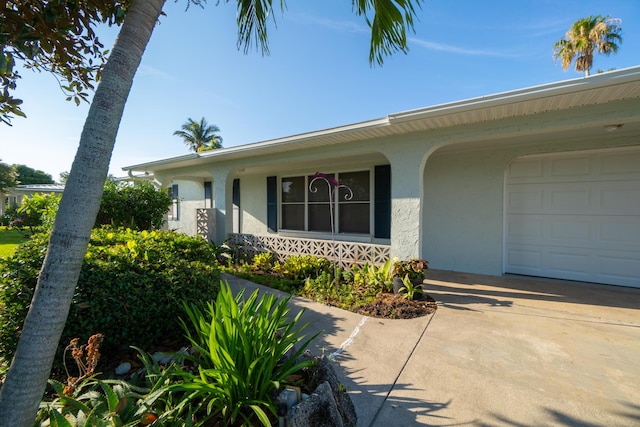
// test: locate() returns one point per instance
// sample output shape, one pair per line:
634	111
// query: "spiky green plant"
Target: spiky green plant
244	350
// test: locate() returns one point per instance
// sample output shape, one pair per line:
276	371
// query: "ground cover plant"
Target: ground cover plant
244	350
365	289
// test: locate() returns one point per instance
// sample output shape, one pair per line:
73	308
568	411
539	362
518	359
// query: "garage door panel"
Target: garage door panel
524	200
519	231
595	231
525	170
615	165
524	261
610	267
623	196
570	262
576	167
623	234
623	268
575	216
568	199
576	232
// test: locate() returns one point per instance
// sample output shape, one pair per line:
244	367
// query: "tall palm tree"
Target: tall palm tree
200	136
585	37
27	377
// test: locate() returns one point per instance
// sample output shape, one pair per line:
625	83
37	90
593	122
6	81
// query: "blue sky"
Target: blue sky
317	76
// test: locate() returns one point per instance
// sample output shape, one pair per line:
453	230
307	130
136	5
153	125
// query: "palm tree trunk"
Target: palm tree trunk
27	377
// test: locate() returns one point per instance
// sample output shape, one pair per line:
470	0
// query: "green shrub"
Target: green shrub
140	205
262	262
240	346
326	290
130	289
300	267
37	212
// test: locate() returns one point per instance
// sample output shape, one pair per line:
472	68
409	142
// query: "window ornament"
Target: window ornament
332	185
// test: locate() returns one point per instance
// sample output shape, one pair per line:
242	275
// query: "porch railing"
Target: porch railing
206	223
346	253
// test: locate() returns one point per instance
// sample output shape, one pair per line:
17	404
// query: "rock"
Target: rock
328	406
123	368
319	410
163	358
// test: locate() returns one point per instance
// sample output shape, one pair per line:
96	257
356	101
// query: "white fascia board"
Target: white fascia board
520	95
271	145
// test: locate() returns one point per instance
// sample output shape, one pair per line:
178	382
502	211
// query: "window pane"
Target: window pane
359	184
322	189
293	217
354	218
319	219
293	189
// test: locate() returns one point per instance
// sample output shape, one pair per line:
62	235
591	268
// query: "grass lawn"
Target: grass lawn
9	240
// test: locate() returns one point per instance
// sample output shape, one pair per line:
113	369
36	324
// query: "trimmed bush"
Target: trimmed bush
130	289
138	205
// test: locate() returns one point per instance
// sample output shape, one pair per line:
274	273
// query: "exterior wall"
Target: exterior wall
253	204
191	197
462	219
253	197
463	216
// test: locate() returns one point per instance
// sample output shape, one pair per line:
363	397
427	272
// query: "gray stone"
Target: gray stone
328	406
123	368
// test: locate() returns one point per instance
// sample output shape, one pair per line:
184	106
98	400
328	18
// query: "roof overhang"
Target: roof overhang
593	90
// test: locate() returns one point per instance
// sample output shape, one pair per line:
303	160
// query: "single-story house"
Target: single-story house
15	195
541	181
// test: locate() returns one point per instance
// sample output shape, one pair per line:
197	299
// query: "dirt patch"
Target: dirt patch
395	306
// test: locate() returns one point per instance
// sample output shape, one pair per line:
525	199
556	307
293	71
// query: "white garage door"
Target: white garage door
575	216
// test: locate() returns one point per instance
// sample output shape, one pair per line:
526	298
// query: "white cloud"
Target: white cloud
147	70
456	49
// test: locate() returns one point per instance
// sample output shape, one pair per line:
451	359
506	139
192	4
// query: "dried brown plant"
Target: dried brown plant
87	366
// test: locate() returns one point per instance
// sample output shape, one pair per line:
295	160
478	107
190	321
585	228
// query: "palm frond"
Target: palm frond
389	24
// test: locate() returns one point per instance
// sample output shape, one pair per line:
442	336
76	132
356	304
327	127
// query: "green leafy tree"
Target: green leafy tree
138	205
53	36
200	136
27	175
27	377
38	212
63	177
587	36
8	176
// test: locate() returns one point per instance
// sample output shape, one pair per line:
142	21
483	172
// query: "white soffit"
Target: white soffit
596	89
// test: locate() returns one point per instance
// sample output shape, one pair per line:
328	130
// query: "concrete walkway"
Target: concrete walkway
499	351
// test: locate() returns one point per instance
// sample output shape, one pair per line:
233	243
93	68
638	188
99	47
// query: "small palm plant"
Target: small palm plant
244	351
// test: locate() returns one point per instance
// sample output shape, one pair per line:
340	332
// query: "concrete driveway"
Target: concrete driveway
499	351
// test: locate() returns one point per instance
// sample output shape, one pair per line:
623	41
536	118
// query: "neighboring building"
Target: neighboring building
14	196
541	181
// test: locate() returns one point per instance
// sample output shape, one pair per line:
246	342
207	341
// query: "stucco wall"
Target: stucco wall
191	196
462	219
463	212
253	204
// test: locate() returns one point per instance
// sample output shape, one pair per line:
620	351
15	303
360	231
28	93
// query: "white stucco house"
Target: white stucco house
541	181
14	196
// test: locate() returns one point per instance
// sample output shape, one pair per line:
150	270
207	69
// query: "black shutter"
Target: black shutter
272	203
236	192
382	202
208	194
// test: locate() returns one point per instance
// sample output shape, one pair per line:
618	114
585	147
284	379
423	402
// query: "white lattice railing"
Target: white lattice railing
346	253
